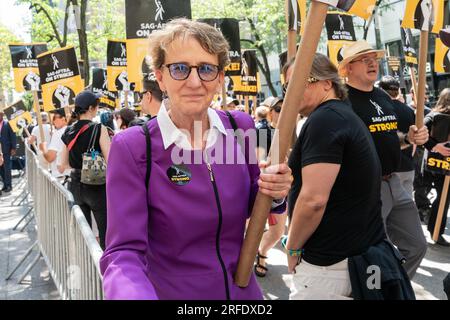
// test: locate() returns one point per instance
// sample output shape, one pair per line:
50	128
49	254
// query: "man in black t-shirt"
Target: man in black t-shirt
360	68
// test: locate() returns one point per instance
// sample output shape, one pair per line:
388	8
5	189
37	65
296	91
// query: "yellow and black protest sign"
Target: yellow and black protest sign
394	67
360	8
60	78
441	57
99	85
440	132
18	116
25	65
340	31
409	47
230	30
248	84
116	65
425	15
142	18
438	164
296	15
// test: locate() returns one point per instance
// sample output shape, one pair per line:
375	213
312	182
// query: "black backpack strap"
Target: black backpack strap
237	133
149	154
232	121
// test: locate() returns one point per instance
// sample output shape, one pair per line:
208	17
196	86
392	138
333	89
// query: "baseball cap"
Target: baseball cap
60	111
271	102
85	99
231	100
389	83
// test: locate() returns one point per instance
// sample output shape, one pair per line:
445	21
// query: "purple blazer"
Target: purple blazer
188	245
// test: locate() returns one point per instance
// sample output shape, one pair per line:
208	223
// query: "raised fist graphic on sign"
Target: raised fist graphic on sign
427	9
62	93
123	78
33	80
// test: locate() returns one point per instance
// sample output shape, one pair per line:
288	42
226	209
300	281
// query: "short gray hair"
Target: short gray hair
209	38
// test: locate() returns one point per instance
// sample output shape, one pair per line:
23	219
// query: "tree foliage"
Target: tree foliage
263	25
100	20
6	81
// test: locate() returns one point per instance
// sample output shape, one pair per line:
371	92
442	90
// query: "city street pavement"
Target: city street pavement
38	284
427	283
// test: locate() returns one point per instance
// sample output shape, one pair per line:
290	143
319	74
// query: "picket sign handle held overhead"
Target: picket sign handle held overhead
412	74
291	35
38	114
28	134
246	104
125	98
282	138
423	52
224	97
440	215
291	44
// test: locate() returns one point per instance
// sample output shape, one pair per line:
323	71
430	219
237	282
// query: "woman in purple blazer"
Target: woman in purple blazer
181	238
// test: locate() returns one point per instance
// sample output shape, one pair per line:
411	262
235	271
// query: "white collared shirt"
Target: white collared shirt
172	135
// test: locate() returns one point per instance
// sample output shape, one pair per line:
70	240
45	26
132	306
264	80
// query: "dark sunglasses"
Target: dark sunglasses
181	71
277	109
141	94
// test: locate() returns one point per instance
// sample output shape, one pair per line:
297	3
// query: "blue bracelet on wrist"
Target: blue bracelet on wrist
291	252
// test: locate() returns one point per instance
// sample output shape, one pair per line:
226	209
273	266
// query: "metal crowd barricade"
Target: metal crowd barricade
65	239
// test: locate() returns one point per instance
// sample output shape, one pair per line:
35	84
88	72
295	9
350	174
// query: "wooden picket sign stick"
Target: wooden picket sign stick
444	193
255	102
38	114
68	112
125	93
291	36
412	74
224	97
246	104
28	134
282	138
422	78
291	44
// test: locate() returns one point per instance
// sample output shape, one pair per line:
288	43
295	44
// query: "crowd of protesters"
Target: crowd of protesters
353	192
